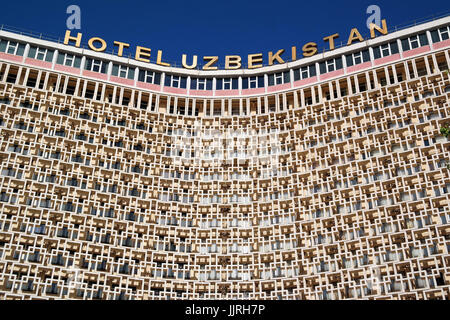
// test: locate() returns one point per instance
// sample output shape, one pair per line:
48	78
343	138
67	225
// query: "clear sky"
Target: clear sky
213	27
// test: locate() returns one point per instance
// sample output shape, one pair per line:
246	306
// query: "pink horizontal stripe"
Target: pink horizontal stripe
234	92
38	63
175	90
208	93
128	82
332	74
67	69
252	91
387	59
148	86
442	44
279	87
303	82
360	66
10	57
416	51
96	75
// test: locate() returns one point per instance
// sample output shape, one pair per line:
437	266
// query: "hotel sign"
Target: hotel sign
232	62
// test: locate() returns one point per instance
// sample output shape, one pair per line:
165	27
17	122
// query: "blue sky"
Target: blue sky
213	27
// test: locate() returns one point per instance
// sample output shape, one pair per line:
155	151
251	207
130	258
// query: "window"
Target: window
440	34
357	58
46	203
96	65
149	77
175	81
414	42
304	72
385	50
201	84
12	47
53	289
279	78
253	82
123	71
69	60
228	84
109	213
330	65
41	54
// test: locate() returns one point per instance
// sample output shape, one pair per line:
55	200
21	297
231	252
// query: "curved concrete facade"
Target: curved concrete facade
322	178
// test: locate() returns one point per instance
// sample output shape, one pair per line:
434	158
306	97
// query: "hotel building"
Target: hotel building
320	178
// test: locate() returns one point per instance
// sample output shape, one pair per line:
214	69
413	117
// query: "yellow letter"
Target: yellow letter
158	59
354	34
77	39
331	40
121	46
309	49
233	60
275	56
141	51
255	58
91	44
192	66
294	53
212	60
374	27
